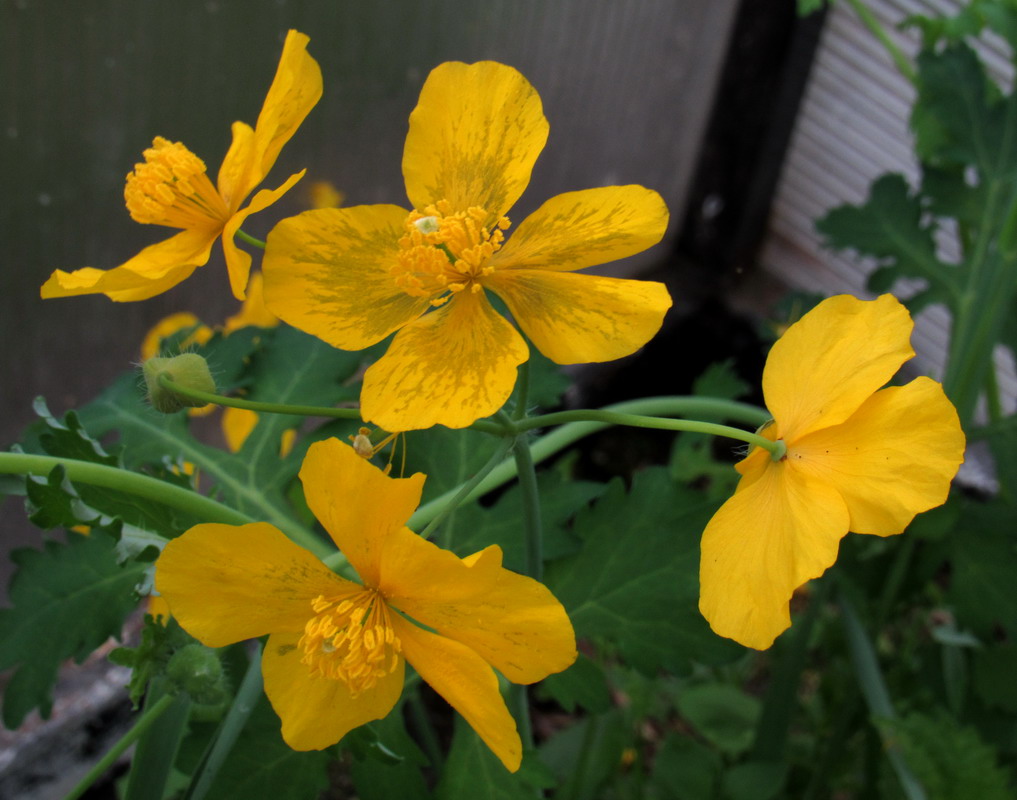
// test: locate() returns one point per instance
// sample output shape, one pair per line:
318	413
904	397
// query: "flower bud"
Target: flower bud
197	670
189	370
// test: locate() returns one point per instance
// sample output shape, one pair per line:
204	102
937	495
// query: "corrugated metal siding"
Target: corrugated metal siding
852	128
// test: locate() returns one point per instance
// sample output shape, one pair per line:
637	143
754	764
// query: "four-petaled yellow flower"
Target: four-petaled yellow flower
353	276
172	188
337	649
859	458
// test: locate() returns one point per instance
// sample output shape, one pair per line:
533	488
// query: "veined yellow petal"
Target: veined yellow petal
467	683
359	505
768	539
227	583
293	93
474	137
575	319
581	229
327	273
832	360
511	621
450	367
317	712
892	459
154	270
238	262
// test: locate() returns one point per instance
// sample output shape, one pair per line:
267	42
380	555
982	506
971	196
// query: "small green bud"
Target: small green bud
197	670
189	370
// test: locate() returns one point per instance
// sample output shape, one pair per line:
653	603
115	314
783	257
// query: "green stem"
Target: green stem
232	725
148	717
157	749
464	491
904	66
876	695
532	528
425	729
567	435
166	382
207	509
246	237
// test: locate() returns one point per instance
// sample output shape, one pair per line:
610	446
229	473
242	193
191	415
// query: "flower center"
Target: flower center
443	252
351	639
172	188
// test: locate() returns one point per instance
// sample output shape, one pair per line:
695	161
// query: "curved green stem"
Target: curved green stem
900	60
465	489
150	488
566	435
143	724
249	239
166	382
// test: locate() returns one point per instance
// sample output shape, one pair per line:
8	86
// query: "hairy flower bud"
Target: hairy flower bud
197	670
189	370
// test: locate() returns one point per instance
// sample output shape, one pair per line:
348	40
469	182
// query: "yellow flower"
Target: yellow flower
167	326
237	424
337	649
172	188
857	460
353	276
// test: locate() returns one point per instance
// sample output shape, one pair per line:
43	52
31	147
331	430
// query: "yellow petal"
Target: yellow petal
467	683
226	583
167	326
293	93
474	137
892	459
830	361
450	367
771	537
359	505
253	311
317	712
238	262
575	319
153	271
327	273
511	621
237	424
581	229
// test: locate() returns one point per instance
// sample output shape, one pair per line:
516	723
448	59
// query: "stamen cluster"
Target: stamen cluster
171	188
444	252
351	639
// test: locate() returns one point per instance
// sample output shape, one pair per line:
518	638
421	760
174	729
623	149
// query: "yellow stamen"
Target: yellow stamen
351	639
443	253
171	188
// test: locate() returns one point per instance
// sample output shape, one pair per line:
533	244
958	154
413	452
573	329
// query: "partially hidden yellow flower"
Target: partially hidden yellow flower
337	649
237	424
353	276
859	458
171	188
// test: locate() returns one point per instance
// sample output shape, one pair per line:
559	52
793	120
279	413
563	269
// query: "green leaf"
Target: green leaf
755	780
389	765
148	660
473	771
684	769
262	766
635	582
587	755
722	714
476	526
447	457
982	554
806	7
952	762
994	671
67	600
583	684
547	382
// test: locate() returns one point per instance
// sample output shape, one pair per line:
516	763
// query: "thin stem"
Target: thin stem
875	27
522	391
166	382
877	697
205	508
532	526
465	489
148	717
232	725
567	435
157	749
249	239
